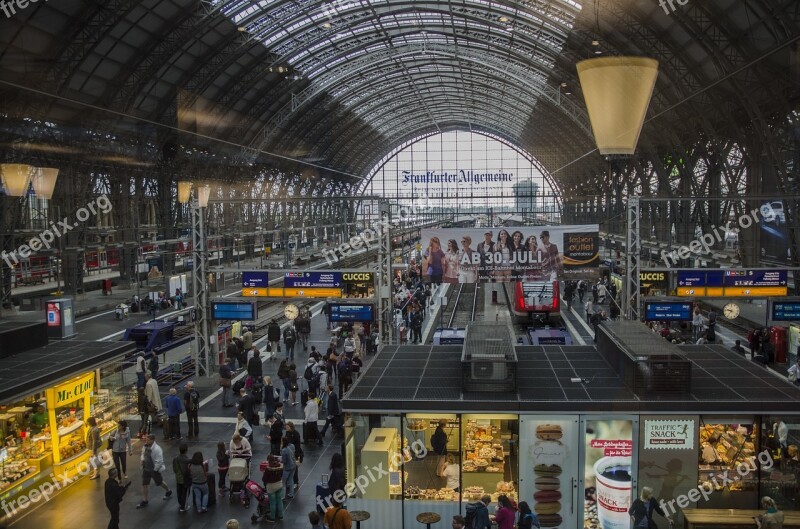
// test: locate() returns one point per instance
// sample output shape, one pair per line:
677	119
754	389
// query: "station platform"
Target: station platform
752	312
81	503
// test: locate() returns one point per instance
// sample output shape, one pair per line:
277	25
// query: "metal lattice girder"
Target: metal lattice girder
203	339
632	306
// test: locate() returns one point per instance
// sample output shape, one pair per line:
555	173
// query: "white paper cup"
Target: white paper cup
613	496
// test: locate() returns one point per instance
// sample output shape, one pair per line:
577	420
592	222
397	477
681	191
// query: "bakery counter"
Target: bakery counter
713	518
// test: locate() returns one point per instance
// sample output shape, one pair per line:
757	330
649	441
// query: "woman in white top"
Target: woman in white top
450	472
450	262
240	447
467	272
242	424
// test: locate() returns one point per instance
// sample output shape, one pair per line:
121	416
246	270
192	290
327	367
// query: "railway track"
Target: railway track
464	306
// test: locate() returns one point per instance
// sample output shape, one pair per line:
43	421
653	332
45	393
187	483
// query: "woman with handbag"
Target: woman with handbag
198	471
120	444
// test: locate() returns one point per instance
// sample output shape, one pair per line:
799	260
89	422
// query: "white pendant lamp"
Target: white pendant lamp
184	192
203	193
44	181
16	178
617	91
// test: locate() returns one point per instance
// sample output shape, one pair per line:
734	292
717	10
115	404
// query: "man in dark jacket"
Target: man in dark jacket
191	403
246	404
114	493
480	516
275	435
289	339
334	412
439	439
255	367
294	438
303	326
274	338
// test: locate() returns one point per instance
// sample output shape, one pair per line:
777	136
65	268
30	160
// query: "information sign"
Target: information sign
312	279
352	313
786	310
234	310
668	311
255	279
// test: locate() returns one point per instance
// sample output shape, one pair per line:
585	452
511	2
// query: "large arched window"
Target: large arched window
467	173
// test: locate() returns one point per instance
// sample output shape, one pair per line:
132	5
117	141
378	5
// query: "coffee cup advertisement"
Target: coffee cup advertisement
607	474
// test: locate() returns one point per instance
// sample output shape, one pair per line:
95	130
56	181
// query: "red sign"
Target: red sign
53	315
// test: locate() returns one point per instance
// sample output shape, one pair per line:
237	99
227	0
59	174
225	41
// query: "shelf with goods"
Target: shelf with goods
422	427
728	448
17	465
485	447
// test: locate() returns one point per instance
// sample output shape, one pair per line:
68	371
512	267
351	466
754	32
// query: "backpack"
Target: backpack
316	378
309	372
237	386
194	401
534	521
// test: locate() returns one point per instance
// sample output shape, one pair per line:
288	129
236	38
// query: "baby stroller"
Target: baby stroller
262	499
238	474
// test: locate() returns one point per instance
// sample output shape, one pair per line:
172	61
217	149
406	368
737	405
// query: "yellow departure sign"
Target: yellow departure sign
294	292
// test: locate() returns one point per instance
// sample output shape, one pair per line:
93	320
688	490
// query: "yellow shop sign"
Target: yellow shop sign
70	391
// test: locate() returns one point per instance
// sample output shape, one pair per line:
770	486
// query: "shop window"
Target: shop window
490	456
373	459
779	461
728	446
432	465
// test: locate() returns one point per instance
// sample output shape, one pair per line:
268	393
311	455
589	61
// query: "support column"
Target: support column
203	339
632	303
385	306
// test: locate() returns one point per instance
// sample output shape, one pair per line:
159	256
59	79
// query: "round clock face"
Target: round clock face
731	311
291	311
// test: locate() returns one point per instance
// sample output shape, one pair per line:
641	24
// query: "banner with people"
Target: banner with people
526	253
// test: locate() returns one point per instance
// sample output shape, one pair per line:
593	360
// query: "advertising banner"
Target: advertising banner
531	253
607	478
669	434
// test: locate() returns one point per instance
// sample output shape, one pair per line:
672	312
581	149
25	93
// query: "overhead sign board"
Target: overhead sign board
312	279
786	310
668	311
234	310
352	313
255	279
733	283
278	292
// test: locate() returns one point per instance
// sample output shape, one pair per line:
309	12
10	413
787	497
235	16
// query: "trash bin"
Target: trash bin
106	287
777	337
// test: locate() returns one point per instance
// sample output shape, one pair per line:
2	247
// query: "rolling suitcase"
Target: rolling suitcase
212	489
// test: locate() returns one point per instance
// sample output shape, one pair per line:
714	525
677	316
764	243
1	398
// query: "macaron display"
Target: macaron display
547	483
550	520
547	470
550	507
549	432
545	496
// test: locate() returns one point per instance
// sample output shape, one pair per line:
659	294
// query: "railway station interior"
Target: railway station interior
463	259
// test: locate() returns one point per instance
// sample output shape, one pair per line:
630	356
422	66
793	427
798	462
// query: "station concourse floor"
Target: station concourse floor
82	504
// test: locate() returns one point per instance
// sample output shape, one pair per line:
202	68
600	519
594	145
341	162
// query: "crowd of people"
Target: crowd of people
256	396
412	299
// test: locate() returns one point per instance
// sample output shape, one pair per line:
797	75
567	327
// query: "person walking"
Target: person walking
333	410
293	387
283	374
114	493
581	289
289	466
255	368
174	410
198	472
141	369
439	446
225	378
294	437
152	466
93	443
269	398
311	419
223	463
180	467
289	339
275	434
506	514
121	448
642	509
303	327
191	402
274	338
337	480
153	397
143	409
